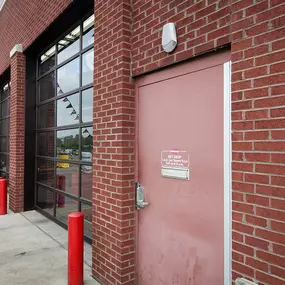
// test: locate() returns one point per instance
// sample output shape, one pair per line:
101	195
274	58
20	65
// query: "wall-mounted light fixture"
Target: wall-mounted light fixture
169	38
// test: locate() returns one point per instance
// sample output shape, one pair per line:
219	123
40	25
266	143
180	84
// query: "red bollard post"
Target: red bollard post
3	196
75	248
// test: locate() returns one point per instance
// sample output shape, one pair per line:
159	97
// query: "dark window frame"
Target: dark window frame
5	135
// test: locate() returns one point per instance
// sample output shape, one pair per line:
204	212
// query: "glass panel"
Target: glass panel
5	108
68	46
68	173
68	77
4	126
45	144
46	114
45	172
87	105
46	87
3	163
87	211
3	144
64	206
7	165
86	182
67	143
68	110
47	60
87	67
4	175
87	143
88	31
5	92
45	199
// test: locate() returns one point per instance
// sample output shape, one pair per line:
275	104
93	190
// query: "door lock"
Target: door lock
140	203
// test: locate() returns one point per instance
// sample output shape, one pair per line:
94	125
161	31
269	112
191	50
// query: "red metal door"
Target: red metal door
180	234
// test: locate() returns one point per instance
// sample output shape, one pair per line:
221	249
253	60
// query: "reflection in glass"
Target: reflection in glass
45	199
46	87
67	143
3	163
69	173
45	144
87	211
68	110
46	115
64	206
86	182
45	173
68	77
87	143
47	60
68	46
88	32
5	108
4	126
3	144
87	105
5	92
87	67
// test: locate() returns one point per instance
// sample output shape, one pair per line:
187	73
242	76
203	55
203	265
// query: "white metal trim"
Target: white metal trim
227	176
16	48
2	4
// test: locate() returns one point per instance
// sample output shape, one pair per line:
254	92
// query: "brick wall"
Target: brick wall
128	41
113	167
201	26
258	114
23	21
17	136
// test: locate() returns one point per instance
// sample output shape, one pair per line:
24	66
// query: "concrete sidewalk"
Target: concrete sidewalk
33	251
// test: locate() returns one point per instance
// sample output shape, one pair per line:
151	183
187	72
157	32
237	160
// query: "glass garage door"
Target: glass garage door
4	129
64	125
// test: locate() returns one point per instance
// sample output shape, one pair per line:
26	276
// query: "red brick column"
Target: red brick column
17	117
113	168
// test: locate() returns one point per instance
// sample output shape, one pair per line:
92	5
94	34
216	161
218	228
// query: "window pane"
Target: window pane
4	126
5	108
68	46
88	32
5	91
87	211
68	110
87	67
87	105
64	206
45	172
4	163
86	182
47	61
46	87
46	115
86	143
67	143
45	144
3	144
68	77
45	199
69	174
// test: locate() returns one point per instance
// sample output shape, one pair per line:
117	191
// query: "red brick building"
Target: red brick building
93	111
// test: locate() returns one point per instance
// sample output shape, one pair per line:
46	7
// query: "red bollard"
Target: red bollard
3	196
75	248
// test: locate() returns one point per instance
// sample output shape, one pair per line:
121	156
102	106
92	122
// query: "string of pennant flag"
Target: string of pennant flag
73	112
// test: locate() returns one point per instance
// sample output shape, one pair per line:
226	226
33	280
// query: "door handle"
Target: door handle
140	203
